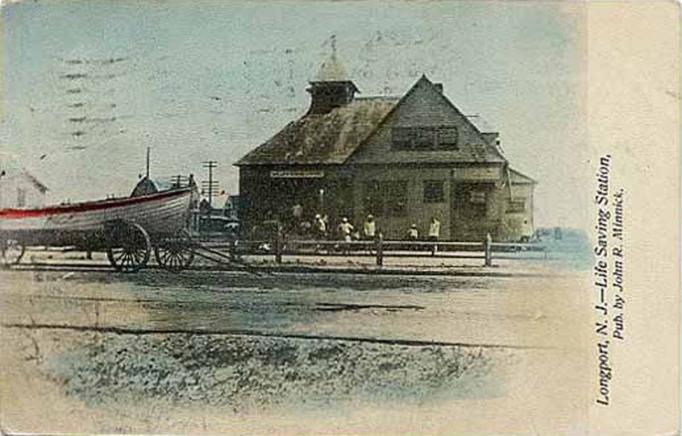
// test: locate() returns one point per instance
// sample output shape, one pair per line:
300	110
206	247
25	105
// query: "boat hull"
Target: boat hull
85	224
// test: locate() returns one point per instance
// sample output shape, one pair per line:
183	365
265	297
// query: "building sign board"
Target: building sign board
296	174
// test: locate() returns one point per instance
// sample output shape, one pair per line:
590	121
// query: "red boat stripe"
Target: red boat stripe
88	206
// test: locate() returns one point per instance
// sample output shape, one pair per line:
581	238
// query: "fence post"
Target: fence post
379	241
487	246
233	249
278	245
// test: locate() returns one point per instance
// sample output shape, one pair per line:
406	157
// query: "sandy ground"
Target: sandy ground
280	353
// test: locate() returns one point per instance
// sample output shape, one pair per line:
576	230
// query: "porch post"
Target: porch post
487	244
380	249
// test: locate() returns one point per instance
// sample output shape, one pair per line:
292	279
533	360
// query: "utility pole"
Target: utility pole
211	186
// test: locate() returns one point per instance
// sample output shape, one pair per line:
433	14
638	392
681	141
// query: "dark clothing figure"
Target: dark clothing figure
413	233
204	207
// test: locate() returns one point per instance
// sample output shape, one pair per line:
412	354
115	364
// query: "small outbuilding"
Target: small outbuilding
20	189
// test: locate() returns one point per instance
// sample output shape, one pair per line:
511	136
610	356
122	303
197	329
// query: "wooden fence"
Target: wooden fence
380	249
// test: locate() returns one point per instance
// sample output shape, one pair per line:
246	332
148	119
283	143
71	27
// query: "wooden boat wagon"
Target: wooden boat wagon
128	229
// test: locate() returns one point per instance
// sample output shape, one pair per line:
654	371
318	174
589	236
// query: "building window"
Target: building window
402	138
447	137
477	197
373	200
396	197
424	138
516	206
433	191
387	198
21	197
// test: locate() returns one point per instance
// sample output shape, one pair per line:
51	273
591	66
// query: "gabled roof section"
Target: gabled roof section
518	178
10	168
37	183
323	138
473	148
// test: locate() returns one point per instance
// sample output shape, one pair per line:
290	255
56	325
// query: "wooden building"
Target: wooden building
402	159
20	189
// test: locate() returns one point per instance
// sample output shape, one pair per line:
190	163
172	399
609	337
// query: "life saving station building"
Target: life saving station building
402	159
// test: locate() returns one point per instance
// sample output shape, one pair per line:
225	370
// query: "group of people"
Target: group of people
433	233
346	231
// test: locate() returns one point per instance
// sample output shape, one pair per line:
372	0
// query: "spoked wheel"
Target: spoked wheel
129	246
11	252
175	253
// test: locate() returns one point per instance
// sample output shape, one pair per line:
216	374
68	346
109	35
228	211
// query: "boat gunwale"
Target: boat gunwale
88	206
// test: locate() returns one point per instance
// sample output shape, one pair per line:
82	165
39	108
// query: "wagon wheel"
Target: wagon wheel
175	253
11	252
129	246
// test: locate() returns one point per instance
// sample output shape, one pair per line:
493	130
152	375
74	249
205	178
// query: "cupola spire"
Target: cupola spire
331	88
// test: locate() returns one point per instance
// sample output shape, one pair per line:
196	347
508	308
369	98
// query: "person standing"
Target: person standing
320	227
296	217
346	229
346	233
297	211
434	234
413	233
369	229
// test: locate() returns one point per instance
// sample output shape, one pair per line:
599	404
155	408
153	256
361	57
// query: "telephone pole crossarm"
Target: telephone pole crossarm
211	186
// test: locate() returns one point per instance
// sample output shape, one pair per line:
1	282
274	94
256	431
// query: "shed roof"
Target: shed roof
323	138
518	178
481	124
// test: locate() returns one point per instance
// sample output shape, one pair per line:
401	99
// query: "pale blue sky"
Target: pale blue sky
211	80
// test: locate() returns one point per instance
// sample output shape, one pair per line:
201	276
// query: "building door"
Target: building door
339	201
470	205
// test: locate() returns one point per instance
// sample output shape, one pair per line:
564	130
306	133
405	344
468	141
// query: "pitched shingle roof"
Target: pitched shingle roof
333	137
323	138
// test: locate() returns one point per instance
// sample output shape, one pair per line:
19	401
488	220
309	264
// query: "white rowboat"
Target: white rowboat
113	223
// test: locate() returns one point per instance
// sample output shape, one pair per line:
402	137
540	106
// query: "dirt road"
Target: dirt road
102	343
